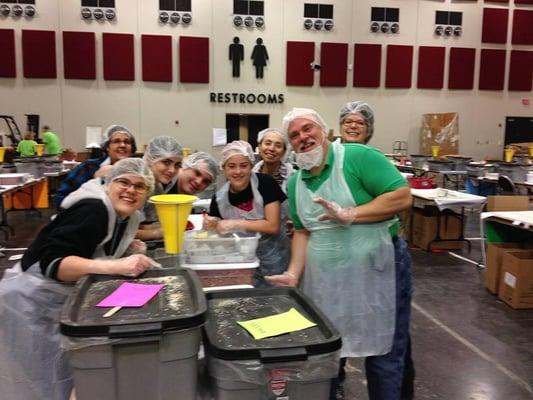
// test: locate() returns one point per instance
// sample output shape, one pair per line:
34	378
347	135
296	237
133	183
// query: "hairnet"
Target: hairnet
202	161
111	130
261	135
237	147
131	166
162	147
362	108
306	113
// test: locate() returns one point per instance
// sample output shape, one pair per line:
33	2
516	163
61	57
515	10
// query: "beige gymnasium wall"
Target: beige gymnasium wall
152	108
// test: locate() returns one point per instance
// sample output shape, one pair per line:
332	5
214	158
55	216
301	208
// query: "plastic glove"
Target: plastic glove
131	266
286	279
210	223
226	226
335	212
137	247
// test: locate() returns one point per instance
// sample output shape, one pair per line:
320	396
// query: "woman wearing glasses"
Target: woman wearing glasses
90	236
118	143
356	121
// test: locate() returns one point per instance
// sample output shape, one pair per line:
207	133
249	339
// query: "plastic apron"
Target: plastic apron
349	270
285	213
32	364
273	251
148	211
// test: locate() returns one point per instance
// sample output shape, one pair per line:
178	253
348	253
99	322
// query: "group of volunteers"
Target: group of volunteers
342	247
27	147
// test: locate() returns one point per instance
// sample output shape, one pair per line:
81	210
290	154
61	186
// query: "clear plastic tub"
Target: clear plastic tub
210	248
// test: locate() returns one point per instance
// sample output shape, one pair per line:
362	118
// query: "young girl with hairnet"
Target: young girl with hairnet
251	201
163	156
90	236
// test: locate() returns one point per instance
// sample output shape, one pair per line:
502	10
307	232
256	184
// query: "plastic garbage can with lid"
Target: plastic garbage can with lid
296	366
138	353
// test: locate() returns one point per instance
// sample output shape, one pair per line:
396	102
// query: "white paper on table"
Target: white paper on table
93	136
219	136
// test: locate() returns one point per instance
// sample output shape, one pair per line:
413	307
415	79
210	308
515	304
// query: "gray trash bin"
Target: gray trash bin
296	366
139	353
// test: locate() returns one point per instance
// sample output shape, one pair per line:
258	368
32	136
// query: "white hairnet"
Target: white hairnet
305	113
261	135
362	108
202	161
237	147
111	130
162	147
131	166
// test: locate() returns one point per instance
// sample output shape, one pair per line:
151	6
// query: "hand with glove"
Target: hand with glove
226	226
335	212
210	223
286	279
137	247
131	266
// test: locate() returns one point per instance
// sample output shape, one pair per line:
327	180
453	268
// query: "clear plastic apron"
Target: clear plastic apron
32	364
273	251
349	270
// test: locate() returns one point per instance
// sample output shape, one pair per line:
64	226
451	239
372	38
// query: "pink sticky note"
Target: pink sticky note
131	295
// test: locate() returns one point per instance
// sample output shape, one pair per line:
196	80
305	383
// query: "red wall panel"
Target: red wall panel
496	1
118	57
495	22
491	69
399	66
367	65
156	58
79	55
461	69
298	72
431	67
523	1
194	59
521	70
522	27
333	64
7	49
39	54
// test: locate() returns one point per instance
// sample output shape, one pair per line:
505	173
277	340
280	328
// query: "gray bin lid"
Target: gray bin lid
227	340
179	305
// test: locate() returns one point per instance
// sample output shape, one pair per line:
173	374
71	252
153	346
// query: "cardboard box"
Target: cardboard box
424	228
495	252
516	281
507	203
440	129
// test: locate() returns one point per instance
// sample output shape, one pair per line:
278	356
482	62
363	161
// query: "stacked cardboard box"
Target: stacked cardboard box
424	223
516	281
495	254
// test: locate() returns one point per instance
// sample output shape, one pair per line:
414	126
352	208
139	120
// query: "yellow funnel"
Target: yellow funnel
39	148
2	153
530	151
173	211
509	153
435	151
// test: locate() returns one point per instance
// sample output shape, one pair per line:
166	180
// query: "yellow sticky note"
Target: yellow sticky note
290	321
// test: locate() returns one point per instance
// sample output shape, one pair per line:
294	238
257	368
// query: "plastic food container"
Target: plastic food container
420	183
440	165
210	248
138	353
297	365
14	179
418	160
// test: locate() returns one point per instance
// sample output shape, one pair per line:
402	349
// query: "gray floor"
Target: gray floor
466	343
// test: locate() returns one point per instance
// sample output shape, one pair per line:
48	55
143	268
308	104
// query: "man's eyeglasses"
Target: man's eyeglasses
124	184
127	142
348	122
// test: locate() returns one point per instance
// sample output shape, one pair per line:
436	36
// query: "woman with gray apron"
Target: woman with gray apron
251	202
92	233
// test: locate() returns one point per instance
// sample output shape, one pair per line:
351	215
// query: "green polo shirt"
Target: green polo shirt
52	142
26	148
367	171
